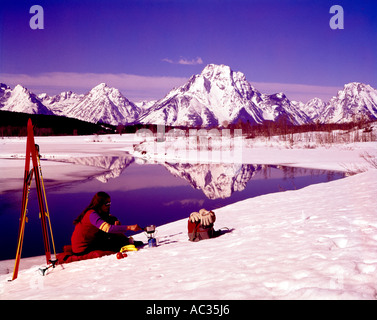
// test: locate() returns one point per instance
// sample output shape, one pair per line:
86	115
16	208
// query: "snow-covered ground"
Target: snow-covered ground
319	242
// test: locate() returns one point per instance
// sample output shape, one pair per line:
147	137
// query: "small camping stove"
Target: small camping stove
150	232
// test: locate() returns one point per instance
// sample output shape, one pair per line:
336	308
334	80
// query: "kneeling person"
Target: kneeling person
96	229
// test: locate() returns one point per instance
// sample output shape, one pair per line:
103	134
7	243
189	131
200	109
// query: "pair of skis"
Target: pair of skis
32	151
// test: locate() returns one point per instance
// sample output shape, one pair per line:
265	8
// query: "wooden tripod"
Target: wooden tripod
32	150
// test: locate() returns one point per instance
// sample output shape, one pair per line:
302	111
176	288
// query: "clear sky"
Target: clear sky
146	47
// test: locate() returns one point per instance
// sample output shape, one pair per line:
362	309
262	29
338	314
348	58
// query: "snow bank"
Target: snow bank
313	150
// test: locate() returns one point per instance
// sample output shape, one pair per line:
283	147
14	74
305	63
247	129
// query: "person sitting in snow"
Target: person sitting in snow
96	229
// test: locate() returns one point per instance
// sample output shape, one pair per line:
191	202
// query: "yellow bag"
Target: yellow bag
129	247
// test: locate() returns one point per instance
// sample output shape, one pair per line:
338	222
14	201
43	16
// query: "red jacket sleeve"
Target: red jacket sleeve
101	224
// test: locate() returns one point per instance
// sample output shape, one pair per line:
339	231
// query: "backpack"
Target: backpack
197	232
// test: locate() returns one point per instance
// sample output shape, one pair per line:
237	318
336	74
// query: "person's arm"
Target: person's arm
101	224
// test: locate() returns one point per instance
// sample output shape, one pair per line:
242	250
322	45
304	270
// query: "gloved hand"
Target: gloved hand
134	227
206	217
194	217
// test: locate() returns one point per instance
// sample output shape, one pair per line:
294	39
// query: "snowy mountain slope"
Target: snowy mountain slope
355	101
220	95
313	108
21	99
215	97
277	107
145	104
60	103
104	104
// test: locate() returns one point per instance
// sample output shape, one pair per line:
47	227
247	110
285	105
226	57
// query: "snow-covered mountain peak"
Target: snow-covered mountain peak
314	107
103	89
355	101
221	80
66	94
211	74
214	97
19	89
60	103
20	99
210	98
105	104
222	73
21	92
214	70
316	102
357	87
61	96
105	92
220	95
101	86
355	90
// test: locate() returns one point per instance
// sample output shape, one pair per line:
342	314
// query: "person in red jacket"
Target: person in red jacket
96	229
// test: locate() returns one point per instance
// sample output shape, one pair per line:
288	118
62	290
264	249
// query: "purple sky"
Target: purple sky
145	48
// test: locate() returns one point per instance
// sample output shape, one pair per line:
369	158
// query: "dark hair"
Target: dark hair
99	199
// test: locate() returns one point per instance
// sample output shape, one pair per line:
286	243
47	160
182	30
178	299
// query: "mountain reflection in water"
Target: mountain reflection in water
145	193
216	181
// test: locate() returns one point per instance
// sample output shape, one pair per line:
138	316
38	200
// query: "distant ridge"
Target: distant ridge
216	96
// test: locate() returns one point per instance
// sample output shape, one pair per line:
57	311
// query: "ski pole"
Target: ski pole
45	198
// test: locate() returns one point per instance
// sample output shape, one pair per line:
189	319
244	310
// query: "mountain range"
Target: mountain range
216	97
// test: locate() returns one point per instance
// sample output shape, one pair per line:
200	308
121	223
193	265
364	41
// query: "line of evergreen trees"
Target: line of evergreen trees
14	124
